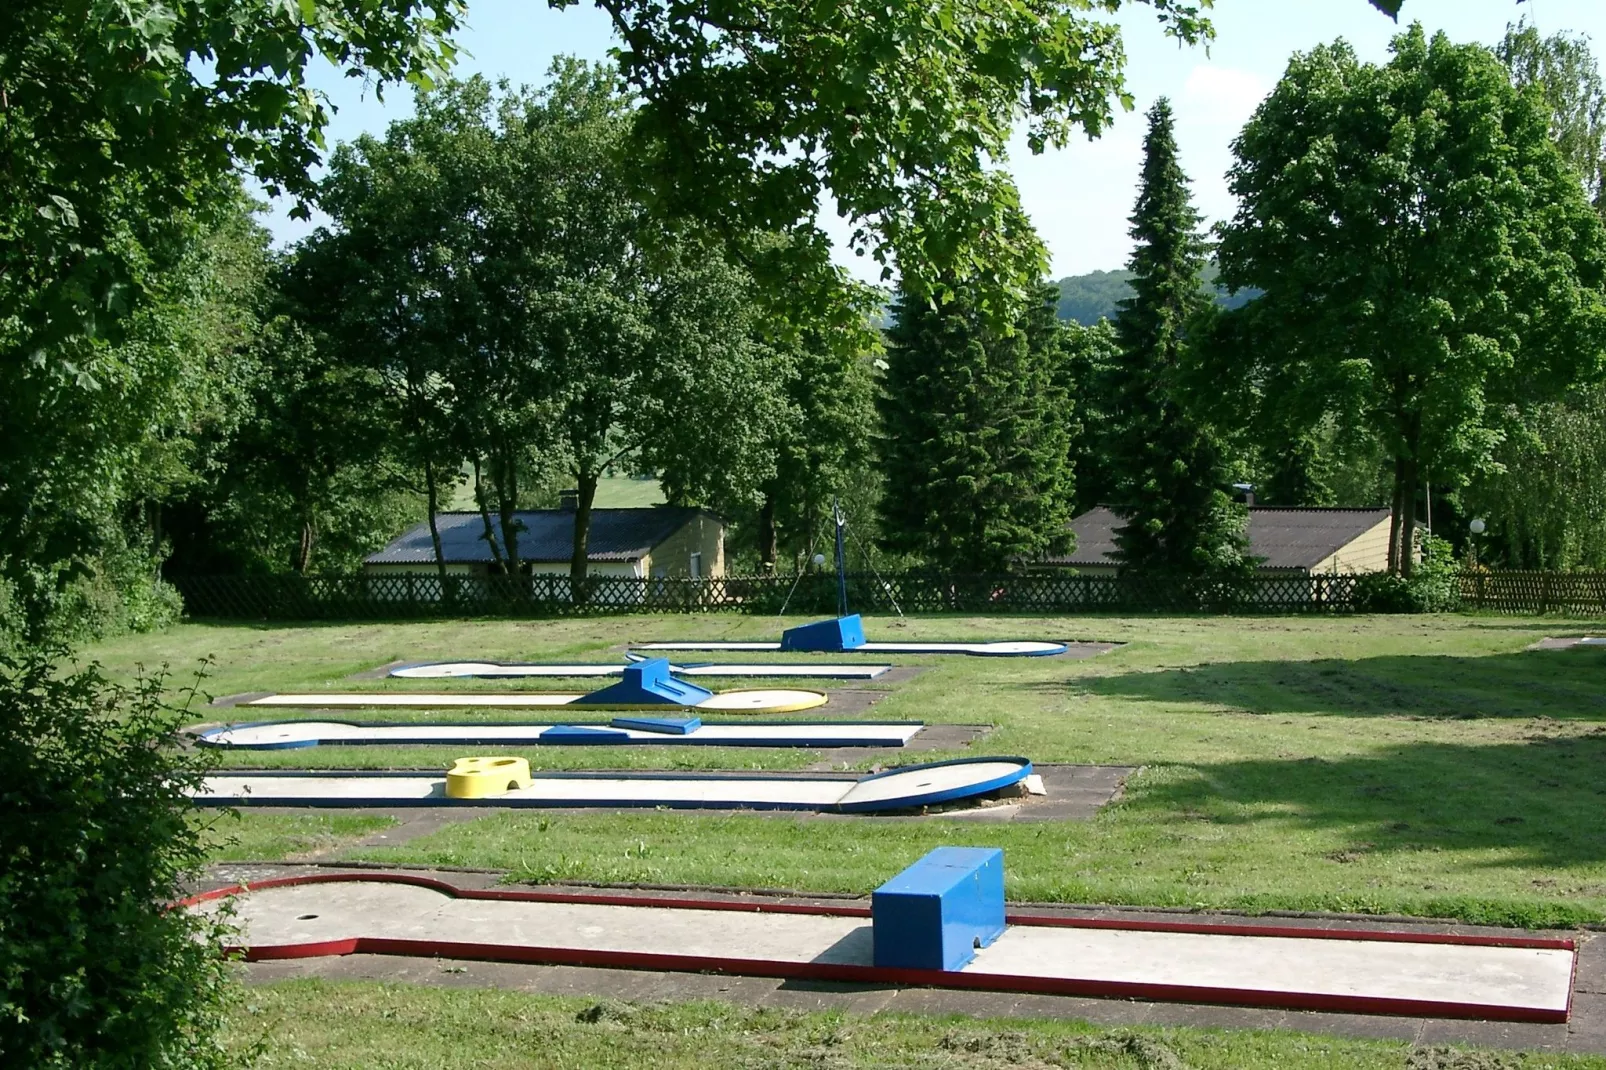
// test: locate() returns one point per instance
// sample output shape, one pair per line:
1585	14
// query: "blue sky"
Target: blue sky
1078	197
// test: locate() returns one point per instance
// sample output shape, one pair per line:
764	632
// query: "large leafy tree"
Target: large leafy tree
374	291
534	309
111	111
1426	254
122	129
976	434
1171	476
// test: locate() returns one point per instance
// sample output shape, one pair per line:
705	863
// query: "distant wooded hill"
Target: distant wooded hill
1092	297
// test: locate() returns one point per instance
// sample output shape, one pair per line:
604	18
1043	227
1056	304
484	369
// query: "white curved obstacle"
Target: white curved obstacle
290	735
898	789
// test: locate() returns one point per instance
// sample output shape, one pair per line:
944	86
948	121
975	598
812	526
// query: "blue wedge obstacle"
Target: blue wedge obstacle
935	914
647	683
825	636
669	726
582	735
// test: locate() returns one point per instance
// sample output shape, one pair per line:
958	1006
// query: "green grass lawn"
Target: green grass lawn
1425	765
337	1026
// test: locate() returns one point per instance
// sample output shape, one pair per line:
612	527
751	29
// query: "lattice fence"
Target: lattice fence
1570	593
380	597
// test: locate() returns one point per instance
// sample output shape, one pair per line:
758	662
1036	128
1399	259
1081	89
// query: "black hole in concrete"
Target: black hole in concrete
306	917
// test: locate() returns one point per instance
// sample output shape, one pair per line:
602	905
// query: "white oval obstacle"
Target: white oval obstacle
899	789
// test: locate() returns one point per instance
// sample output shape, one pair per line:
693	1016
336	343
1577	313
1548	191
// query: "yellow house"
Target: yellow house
1286	540
659	541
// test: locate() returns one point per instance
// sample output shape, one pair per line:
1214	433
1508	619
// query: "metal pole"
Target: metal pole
841	561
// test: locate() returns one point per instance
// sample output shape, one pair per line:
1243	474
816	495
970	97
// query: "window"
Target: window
695	566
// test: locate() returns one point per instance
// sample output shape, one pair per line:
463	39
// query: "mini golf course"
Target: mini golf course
438	670
845	635
289	735
904	788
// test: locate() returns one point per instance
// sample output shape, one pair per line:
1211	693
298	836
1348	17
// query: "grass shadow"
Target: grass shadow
1534	803
1567	684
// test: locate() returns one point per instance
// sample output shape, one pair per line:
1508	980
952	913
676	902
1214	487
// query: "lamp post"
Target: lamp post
1475	528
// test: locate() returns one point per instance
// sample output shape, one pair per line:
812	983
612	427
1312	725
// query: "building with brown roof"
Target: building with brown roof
1285	540
657	541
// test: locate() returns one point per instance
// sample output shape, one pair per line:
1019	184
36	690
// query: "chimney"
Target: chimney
568	500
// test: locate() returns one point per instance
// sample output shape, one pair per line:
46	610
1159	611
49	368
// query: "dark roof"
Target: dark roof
545	535
1282	538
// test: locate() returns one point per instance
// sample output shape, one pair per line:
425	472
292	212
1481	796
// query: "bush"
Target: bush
1434	587
96	837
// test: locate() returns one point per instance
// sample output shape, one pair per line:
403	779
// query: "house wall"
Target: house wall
702	533
1367	552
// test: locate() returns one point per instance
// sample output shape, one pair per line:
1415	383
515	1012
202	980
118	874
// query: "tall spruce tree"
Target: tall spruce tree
976	435
1171	473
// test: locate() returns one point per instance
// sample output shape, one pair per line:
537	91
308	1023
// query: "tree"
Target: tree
898	110
122	130
976	435
823	441
379	289
1564	71
533	311
89	462
1426	254
1172	481
1543	500
1092	355
112	111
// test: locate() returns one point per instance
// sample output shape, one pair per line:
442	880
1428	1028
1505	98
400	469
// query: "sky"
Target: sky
1078	197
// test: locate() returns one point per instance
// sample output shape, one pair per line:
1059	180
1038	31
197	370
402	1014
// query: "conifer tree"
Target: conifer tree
976	435
1171	474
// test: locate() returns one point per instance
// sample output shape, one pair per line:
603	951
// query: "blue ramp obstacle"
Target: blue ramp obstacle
935	914
647	683
825	636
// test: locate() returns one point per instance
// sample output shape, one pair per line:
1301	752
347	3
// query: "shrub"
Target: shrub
96	837
1434	587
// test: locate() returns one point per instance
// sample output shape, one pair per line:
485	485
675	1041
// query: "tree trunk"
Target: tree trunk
767	549
579	555
304	549
481	500
1394	518
507	500
433	493
1408	517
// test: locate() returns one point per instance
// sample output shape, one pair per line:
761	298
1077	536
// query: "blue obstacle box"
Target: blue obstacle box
935	914
825	636
647	683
